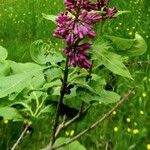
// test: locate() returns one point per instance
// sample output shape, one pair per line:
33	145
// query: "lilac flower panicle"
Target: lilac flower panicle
73	29
79	58
81	4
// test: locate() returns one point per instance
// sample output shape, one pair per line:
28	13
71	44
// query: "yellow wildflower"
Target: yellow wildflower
128	129
133	28
148	146
117	28
120	23
144	94
6	121
135	131
67	133
114	113
141	112
145	78
115	129
128	120
130	33
71	132
135	124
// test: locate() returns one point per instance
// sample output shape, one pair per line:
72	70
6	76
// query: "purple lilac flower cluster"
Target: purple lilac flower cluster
79	25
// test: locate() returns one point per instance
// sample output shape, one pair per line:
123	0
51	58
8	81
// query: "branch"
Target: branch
20	137
60	127
104	117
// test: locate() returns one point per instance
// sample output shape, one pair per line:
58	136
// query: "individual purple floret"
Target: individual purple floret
82	30
110	12
90	17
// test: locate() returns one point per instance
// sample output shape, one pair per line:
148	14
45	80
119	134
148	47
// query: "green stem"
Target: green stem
36	98
36	114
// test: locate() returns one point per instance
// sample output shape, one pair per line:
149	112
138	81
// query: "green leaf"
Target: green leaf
55	83
56	91
48	109
3	53
10	113
78	75
139	47
39	52
50	17
33	83
43	53
53	73
129	47
110	60
87	88
86	91
25	105
17	82
87	94
73	146
53	87
108	97
22	67
121	43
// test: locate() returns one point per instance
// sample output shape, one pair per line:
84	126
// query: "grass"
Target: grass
128	127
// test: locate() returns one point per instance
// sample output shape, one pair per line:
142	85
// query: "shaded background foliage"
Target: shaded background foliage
21	23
